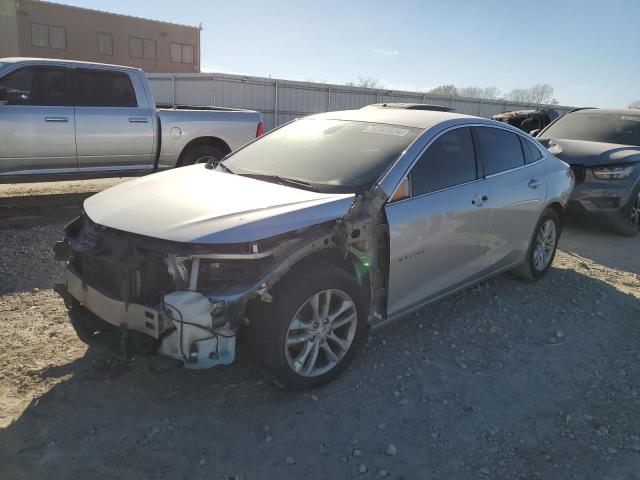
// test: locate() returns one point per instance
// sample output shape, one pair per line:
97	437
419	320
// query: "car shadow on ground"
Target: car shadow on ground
593	239
509	379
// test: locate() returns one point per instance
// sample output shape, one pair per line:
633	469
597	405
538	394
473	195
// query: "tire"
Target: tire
627	222
532	268
273	325
200	154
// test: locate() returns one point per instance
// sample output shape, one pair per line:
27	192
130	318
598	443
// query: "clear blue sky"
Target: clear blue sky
589	51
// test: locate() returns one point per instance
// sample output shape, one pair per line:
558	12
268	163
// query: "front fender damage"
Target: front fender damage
361	237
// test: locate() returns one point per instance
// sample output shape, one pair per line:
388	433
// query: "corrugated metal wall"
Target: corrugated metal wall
282	100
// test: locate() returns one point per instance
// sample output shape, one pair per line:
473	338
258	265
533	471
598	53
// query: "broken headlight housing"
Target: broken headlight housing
617	172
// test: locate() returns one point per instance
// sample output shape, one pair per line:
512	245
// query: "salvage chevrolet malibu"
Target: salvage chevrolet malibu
311	235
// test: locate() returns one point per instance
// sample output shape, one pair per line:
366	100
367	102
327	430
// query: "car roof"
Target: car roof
412	106
607	111
423	119
57	61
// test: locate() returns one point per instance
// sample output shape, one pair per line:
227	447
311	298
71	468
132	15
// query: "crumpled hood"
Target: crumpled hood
591	154
198	205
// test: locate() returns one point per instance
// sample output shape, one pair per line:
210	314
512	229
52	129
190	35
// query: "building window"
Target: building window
105	43
182	53
48	36
143	48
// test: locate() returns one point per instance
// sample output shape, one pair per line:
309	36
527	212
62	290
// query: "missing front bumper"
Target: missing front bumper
126	328
132	316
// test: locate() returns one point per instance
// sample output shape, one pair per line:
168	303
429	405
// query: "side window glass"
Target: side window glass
532	153
105	89
501	149
37	86
448	161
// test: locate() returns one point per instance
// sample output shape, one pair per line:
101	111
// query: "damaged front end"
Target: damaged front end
188	301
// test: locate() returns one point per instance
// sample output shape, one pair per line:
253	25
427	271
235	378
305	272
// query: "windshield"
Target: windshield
330	155
623	129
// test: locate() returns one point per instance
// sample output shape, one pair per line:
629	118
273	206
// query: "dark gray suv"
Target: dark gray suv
603	149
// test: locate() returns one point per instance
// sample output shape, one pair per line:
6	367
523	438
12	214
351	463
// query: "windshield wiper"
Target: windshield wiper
220	164
291	182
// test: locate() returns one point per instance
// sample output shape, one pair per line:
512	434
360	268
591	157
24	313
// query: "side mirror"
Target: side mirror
535	132
4	98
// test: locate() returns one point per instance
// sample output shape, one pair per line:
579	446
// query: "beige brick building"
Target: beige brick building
32	28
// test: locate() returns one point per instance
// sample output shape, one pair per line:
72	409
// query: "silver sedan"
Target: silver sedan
312	234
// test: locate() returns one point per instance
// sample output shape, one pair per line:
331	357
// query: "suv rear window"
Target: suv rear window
593	126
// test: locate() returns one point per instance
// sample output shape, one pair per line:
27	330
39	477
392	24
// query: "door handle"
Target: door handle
56	119
534	183
138	120
478	200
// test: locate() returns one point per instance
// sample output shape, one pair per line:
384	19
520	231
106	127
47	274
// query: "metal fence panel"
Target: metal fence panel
280	101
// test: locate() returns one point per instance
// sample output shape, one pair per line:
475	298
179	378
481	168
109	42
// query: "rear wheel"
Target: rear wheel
542	248
313	328
202	153
627	223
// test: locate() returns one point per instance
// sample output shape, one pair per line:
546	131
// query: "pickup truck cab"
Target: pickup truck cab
63	119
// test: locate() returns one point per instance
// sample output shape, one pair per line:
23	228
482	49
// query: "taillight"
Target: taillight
260	130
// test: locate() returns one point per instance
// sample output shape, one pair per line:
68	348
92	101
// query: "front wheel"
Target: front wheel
542	248
627	223
312	329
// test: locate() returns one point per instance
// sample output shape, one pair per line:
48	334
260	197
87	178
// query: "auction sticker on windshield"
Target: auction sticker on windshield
386	130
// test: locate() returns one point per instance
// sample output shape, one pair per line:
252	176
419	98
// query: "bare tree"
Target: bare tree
366	82
448	90
479	92
539	93
635	104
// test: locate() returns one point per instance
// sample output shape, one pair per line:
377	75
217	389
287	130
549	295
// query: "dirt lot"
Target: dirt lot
506	380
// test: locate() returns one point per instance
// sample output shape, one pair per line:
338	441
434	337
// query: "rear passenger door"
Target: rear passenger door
37	129
114	122
516	193
438	227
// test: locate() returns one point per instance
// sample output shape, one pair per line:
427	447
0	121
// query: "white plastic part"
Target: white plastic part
194	342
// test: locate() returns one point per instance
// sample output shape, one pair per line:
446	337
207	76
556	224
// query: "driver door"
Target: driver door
438	232
37	124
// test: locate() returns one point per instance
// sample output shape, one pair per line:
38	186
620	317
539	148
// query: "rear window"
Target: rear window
593	126
531	152
104	89
332	155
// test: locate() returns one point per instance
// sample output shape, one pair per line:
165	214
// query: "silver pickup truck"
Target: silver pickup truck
63	119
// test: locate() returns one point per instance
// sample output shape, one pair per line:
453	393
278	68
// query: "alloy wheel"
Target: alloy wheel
634	216
320	333
545	244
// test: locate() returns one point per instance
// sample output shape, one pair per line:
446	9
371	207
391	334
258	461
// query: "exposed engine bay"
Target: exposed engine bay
187	301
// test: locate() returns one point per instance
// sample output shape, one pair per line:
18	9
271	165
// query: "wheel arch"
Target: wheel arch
211	141
557	207
336	257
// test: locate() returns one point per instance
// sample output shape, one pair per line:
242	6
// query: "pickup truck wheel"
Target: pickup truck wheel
312	329
627	222
200	154
542	248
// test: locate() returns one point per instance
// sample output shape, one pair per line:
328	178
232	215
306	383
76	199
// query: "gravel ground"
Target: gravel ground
509	379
